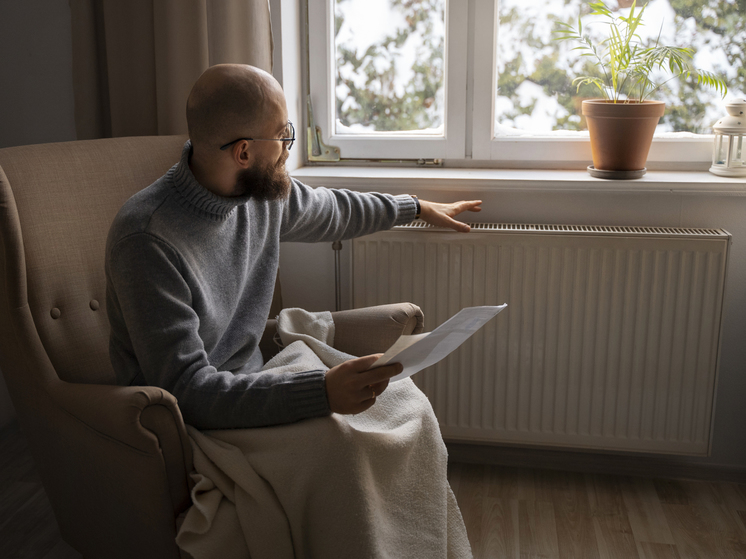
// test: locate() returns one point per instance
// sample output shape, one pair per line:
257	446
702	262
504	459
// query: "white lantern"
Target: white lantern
729	151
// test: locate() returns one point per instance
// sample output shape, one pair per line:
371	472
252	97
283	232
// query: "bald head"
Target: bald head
230	101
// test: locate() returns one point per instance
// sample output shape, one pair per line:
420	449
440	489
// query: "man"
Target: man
191	263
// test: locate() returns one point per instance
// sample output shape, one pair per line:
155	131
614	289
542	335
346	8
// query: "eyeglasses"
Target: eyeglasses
287	142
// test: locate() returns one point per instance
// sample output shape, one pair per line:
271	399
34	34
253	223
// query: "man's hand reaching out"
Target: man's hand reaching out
441	215
352	387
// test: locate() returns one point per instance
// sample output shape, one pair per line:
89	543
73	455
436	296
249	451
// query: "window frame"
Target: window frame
471	81
380	145
527	151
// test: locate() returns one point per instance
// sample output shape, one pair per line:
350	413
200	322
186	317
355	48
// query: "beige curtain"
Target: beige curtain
134	61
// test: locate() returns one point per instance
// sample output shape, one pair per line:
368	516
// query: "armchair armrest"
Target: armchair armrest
146	418
361	331
114	462
113	459
375	329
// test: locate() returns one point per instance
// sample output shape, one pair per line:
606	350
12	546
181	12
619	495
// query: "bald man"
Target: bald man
191	263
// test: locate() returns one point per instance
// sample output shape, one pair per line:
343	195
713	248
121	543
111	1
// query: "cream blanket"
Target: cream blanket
371	485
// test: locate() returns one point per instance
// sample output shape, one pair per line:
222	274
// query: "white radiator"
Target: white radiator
610	339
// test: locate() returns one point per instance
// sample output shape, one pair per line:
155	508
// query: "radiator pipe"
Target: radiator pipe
337	248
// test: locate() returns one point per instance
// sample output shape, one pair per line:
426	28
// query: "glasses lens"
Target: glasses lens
291	134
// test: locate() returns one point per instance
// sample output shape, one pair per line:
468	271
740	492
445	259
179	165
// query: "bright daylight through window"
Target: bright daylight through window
435	73
390	71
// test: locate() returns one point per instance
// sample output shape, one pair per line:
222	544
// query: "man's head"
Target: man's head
232	101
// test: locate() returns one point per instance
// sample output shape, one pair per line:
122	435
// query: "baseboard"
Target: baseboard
674	467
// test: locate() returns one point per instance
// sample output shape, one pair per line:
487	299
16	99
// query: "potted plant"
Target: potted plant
622	123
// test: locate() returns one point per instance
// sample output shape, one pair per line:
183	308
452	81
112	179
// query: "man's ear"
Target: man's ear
242	154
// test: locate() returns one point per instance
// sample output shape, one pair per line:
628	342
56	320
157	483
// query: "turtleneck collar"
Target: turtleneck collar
197	197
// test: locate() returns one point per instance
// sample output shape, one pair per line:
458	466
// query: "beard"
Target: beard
264	182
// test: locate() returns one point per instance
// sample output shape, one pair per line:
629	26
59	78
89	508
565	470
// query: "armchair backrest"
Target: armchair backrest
57	202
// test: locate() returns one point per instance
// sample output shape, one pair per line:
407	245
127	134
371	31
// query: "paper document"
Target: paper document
422	350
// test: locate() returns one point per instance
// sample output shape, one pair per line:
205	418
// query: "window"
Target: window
484	80
388	77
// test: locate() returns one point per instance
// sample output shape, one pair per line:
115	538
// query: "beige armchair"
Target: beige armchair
114	460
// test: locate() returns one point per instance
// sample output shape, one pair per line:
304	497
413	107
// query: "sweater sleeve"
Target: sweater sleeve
155	329
325	214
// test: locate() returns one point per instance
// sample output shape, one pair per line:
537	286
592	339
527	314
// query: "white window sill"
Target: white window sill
398	180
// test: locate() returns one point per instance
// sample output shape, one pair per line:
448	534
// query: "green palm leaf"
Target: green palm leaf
627	64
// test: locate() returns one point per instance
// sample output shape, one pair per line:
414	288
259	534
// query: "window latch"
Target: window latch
429	162
317	149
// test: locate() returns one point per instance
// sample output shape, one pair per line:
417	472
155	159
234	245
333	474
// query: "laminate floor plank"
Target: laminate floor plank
648	550
644	511
614	537
725	522
537	530
610	521
511	483
730	494
500	530
703	493
576	535
704	532
470	498
605	494
727	529
548	484
671	492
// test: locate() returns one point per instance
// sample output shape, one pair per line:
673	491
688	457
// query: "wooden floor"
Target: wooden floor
509	513
523	513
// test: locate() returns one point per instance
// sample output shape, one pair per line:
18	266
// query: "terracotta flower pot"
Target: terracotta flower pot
622	132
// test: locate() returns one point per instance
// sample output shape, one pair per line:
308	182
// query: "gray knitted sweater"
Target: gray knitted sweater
190	277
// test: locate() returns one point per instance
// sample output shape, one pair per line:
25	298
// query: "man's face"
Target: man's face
265	180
